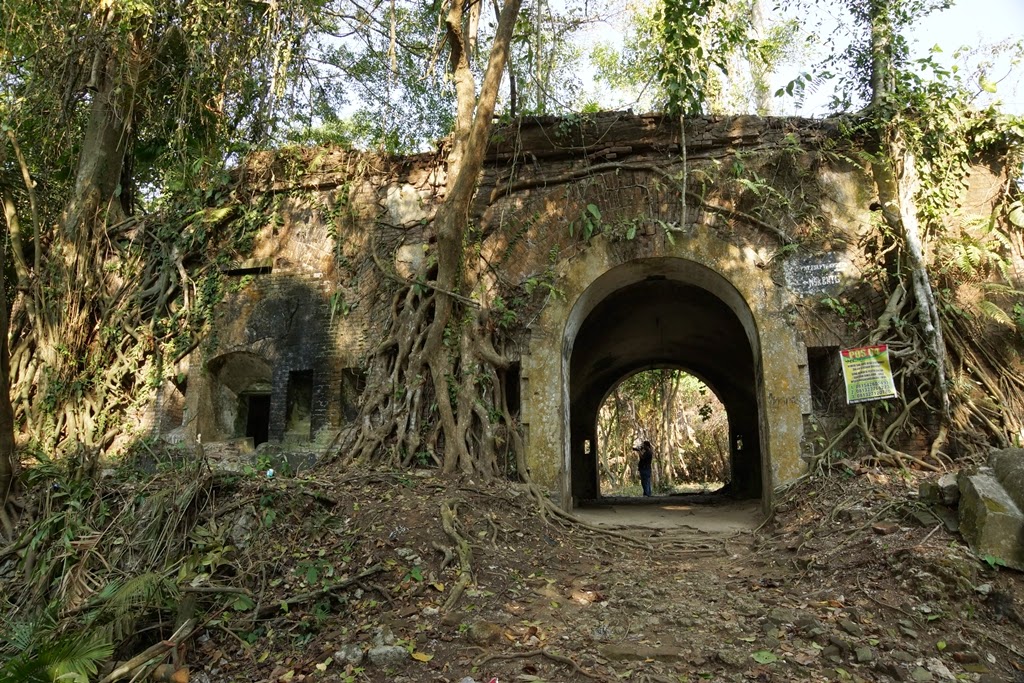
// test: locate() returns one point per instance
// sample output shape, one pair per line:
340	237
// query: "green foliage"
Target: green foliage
694	56
590	223
36	654
697	37
545	58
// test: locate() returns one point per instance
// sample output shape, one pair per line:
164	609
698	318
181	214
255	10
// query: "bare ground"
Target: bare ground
842	584
343	576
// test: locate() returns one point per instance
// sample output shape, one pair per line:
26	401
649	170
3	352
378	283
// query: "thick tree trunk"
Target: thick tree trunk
896	193
8	457
897	181
69	298
441	347
758	69
881	51
473	124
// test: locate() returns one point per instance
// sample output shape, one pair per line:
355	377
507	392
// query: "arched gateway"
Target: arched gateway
702	305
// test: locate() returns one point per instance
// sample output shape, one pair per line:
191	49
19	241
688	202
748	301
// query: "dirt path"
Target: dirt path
726	517
693	594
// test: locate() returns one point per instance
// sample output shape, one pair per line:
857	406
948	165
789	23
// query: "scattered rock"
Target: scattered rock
989	678
949	489
909	632
388	655
990	521
807	624
482	633
781	615
892	670
939	669
383	636
924	517
349	653
843	645
885	528
850	627
241	530
452	618
928	491
855	515
864	655
921	675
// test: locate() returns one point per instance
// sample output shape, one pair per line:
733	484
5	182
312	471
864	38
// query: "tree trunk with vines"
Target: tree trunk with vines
71	301
8	455
435	386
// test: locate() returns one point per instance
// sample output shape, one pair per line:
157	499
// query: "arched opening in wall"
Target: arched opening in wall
240	397
658	314
684	421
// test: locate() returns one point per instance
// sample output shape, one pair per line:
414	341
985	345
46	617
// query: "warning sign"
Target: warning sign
867	373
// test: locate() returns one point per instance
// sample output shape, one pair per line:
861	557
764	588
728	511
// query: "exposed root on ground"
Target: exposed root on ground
541	652
462	549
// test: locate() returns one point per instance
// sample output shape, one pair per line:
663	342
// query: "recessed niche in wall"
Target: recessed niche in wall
513	388
826	375
298	417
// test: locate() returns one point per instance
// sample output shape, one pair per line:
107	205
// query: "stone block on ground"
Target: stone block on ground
944	490
949	489
1008	465
230	456
990	521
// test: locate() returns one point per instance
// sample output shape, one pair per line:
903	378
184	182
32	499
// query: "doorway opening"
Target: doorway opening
683	419
662	315
254	409
239	398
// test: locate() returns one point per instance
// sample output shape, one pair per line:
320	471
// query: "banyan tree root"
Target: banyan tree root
553	656
462	549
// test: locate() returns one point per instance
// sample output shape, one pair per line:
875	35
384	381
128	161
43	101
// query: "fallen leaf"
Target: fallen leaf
764	657
422	656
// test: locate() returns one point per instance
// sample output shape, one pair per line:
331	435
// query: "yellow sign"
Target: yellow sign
867	373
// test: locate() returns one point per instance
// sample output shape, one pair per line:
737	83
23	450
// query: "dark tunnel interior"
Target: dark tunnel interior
654	323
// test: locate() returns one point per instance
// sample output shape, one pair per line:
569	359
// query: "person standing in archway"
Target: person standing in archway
644	465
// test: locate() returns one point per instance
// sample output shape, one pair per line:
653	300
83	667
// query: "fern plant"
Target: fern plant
34	651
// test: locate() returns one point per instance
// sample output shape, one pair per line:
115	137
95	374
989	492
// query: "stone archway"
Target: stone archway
239	397
649	314
621	314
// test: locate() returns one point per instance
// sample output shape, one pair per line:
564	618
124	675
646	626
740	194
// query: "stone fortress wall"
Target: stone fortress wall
618	268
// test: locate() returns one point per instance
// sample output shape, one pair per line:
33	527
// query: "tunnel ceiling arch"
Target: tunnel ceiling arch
661	323
661	313
242	371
